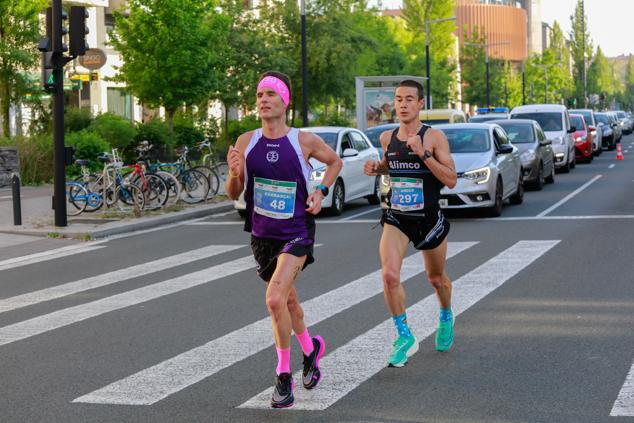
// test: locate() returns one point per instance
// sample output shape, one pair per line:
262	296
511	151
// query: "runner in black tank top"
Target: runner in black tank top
419	163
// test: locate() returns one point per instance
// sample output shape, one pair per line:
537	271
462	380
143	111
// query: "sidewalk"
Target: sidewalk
38	216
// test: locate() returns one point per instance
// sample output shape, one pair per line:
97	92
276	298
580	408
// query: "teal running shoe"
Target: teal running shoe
444	335
402	348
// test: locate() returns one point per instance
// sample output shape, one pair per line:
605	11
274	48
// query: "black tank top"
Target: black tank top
407	171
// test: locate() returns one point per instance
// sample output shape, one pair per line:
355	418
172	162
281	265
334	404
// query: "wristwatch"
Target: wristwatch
427	154
324	189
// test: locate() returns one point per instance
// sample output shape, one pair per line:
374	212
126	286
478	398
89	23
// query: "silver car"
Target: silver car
536	152
489	169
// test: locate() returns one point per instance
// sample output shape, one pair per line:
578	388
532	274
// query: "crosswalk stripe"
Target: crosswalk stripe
48	255
30	298
68	316
355	362
624	404
177	373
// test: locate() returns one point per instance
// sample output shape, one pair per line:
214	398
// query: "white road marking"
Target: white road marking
624	404
50	255
232	211
355	362
68	316
360	214
109	278
175	374
569	196
611	166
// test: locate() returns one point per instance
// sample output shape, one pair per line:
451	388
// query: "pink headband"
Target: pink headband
276	85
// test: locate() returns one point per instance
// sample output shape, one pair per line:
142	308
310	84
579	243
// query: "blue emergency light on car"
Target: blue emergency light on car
485	110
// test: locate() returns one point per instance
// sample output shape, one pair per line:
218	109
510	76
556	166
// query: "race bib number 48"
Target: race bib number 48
407	194
275	199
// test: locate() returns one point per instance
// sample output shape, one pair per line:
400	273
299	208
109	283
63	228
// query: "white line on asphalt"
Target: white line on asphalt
175	374
569	196
611	166
355	362
68	316
50	255
624	404
224	214
115	276
359	214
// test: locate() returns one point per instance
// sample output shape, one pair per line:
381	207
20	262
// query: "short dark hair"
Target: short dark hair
282	77
413	84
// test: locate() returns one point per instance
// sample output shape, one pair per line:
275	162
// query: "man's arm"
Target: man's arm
235	160
440	163
375	168
317	148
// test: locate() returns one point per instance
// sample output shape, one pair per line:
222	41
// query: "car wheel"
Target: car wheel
375	198
550	178
573	163
496	210
338	197
518	197
538	185
612	145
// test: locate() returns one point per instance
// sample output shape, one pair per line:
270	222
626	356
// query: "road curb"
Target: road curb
120	227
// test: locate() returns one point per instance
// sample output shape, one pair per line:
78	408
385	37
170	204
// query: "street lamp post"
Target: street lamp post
486	59
304	66
523	83
427	64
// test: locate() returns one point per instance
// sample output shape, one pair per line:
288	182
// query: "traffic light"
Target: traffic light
78	31
48	79
58	30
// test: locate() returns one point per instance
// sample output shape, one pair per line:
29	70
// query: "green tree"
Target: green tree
601	78
473	66
628	94
19	34
173	51
580	48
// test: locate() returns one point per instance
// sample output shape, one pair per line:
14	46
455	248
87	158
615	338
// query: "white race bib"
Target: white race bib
407	194
275	199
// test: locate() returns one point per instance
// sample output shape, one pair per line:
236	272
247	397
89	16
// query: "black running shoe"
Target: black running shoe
283	391
311	374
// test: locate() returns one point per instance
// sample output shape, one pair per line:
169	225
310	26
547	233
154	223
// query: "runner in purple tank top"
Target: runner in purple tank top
271	166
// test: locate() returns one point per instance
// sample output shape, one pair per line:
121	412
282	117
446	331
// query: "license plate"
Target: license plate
443	202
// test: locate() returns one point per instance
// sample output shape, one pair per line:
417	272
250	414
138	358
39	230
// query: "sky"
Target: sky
610	22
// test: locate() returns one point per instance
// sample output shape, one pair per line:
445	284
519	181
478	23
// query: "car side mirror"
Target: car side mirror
592	128
572	129
505	149
350	152
545	142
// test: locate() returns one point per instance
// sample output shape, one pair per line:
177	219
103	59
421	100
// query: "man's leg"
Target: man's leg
435	266
392	249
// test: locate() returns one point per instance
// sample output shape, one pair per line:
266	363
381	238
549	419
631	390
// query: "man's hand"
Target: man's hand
415	144
234	161
371	168
314	202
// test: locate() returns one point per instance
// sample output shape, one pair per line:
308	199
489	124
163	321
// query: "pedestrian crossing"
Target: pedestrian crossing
163	379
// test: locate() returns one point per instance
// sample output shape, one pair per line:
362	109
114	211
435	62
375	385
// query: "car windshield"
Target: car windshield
374	135
621	115
548	121
483	118
330	138
587	116
467	140
602	119
519	132
577	122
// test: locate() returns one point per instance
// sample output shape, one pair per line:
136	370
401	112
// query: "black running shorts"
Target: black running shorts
266	251
426	232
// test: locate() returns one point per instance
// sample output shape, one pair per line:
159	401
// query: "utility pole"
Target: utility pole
583	49
427	62
486	59
304	66
53	61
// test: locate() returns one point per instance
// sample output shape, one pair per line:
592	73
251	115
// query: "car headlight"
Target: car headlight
559	140
317	174
479	176
528	155
580	139
385	180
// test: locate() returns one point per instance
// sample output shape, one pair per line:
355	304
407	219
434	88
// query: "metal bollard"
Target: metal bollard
17	205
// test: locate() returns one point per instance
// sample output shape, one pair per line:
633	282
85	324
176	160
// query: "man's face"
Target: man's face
407	104
269	104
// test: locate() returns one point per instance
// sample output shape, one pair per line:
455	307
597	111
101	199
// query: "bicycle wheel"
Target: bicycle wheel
154	188
195	186
92	183
212	177
222	170
173	187
129	197
76	198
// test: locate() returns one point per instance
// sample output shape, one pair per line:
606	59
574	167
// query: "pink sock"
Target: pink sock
283	360
306	342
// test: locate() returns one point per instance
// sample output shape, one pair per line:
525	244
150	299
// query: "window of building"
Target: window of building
120	102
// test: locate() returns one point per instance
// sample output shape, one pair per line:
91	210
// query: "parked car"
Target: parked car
625	121
616	126
555	122
536	152
608	139
595	130
355	149
583	139
440	116
374	135
489	169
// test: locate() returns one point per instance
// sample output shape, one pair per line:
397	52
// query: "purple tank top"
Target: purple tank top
277	178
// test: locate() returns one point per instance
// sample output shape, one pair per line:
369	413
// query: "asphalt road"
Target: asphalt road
170	325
